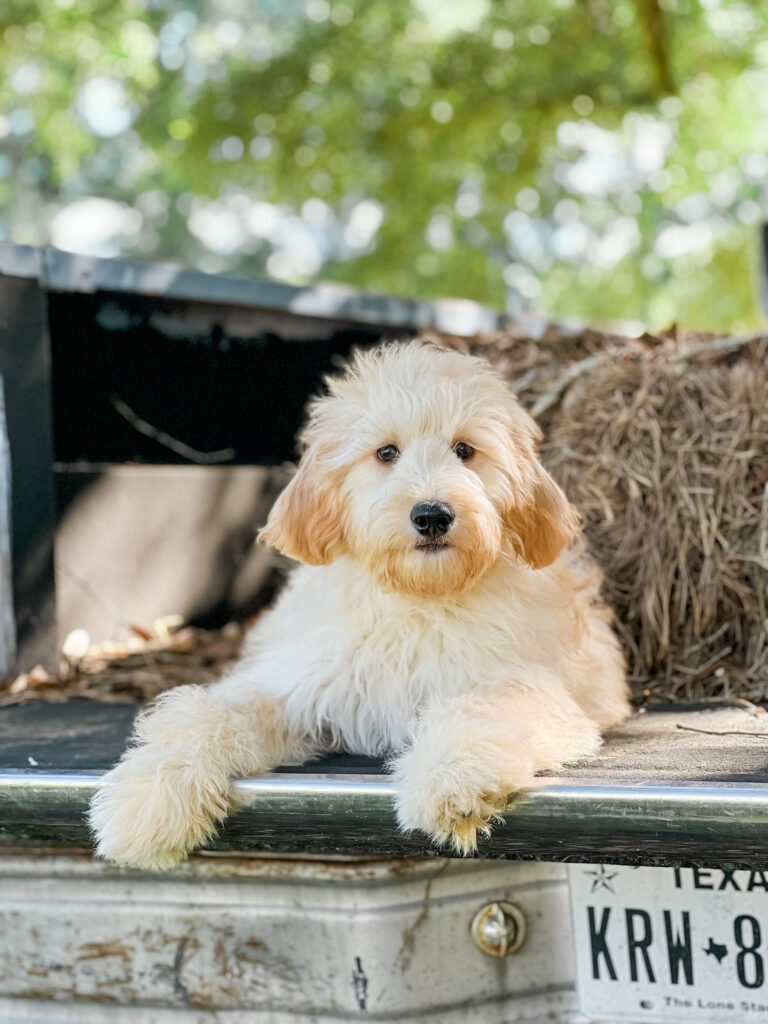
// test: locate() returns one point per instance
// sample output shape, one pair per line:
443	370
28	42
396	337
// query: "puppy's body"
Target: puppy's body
360	689
476	654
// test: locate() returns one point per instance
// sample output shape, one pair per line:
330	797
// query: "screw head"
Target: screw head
498	929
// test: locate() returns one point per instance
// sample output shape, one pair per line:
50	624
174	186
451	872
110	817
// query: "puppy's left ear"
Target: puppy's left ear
305	521
544	524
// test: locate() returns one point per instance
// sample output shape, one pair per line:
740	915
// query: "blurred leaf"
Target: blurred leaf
605	159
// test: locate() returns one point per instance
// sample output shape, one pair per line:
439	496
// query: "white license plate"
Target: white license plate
670	944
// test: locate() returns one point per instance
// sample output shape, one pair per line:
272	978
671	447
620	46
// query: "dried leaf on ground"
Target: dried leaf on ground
137	669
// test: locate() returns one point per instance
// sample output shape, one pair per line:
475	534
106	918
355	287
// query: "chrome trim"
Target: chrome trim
557	819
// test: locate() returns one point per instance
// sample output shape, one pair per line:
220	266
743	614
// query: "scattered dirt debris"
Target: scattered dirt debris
170	654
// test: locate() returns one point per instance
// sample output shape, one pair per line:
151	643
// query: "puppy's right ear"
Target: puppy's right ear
305	521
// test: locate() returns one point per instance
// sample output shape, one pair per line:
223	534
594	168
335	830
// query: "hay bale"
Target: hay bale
662	443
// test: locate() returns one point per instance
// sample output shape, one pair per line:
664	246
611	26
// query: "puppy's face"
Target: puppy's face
421	466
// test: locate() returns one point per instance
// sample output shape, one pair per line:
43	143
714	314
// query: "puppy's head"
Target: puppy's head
420	464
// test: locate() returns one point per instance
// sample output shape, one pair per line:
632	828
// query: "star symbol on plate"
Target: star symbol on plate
602	878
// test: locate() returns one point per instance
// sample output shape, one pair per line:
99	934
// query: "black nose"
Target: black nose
432	518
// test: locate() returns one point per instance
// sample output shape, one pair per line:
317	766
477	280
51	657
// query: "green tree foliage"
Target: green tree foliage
600	159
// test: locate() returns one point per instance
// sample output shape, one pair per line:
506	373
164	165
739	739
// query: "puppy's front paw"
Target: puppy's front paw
458	822
452	804
152	809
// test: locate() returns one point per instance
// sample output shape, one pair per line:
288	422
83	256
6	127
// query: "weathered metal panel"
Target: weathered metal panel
275	939
67	272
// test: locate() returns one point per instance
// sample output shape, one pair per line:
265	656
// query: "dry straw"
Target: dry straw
662	443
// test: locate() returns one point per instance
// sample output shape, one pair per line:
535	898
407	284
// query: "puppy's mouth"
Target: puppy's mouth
433	546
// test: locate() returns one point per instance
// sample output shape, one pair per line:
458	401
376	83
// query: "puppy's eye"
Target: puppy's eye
464	451
388	453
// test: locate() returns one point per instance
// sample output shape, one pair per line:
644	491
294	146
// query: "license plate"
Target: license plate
670	944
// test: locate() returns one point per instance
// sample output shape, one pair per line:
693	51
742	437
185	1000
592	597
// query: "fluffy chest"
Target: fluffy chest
389	664
368	662
390	670
428	653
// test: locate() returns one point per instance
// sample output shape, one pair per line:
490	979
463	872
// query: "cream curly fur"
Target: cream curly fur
473	665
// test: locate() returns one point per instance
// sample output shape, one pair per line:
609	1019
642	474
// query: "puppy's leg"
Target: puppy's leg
172	787
470	753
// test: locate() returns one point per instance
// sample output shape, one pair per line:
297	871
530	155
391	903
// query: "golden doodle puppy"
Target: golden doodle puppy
439	617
